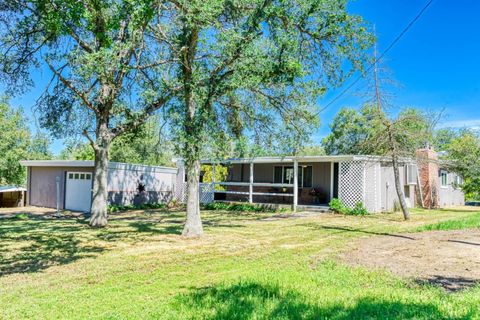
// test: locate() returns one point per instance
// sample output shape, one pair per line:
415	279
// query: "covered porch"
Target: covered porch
297	181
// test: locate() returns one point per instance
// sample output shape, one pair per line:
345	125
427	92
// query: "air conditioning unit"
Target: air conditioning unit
411	174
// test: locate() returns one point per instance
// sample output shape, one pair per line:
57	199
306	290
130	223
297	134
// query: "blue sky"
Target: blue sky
436	64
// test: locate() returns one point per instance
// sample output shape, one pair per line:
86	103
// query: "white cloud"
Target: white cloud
459	124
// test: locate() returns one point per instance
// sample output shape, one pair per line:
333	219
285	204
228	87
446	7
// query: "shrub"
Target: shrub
243	207
359	210
117	208
337	206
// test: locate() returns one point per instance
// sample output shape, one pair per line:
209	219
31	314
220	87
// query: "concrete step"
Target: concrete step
306	208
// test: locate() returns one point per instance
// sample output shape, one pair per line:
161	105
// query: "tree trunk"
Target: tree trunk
99	212
396	174
193	225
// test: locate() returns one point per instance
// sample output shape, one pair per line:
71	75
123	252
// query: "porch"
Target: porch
295	181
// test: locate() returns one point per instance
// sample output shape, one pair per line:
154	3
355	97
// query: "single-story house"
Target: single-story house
12	196
315	180
68	184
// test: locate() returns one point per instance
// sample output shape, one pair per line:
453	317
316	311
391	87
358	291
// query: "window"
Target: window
88	176
411	174
82	176
444	178
70	176
77	176
284	174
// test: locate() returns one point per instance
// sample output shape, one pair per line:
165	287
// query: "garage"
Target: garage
69	184
78	191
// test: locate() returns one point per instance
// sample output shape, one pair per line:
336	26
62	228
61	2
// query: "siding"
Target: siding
42	185
450	196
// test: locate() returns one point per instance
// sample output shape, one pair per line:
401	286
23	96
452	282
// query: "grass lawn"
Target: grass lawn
246	266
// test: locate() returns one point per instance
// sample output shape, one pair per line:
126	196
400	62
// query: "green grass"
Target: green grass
247	266
468	222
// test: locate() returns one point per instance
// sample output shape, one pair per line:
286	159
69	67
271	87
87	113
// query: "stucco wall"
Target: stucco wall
450	195
389	192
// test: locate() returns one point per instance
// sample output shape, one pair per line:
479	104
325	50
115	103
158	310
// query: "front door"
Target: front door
78	191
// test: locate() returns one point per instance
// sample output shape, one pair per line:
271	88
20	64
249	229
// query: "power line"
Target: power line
392	44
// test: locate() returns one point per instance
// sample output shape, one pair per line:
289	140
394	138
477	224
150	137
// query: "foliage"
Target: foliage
238	207
147	145
462	154
363	131
16	144
469	222
337	206
112	208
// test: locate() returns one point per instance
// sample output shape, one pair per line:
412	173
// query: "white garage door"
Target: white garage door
78	191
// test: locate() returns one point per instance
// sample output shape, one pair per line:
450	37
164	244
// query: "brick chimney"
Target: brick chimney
427	160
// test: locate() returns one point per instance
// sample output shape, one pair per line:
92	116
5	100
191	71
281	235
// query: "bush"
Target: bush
359	210
117	208
337	206
21	216
243	207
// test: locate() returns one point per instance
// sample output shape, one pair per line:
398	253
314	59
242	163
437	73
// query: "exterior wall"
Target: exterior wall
428	173
139	184
42	185
123	185
388	191
450	195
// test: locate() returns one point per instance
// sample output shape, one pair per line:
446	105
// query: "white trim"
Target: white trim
290	159
91	164
442	171
332	171
295	184
250	187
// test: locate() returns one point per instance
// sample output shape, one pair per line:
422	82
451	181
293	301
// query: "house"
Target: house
68	184
306	181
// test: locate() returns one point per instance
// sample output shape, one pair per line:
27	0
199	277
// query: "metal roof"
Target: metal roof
290	159
91	164
11	189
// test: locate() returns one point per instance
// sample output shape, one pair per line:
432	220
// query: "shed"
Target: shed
12	196
70	182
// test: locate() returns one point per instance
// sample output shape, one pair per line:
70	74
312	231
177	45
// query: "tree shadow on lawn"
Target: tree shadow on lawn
40	242
251	300
355	230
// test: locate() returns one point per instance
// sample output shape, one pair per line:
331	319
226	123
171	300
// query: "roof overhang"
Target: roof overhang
291	159
91	164
11	189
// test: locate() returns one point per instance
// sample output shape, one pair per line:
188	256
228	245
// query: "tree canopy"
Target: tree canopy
17	143
363	131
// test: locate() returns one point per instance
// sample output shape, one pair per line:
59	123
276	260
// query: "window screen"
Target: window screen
277	175
307	177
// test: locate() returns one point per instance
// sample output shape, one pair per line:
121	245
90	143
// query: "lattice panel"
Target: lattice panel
206	192
373	201
351	182
181	192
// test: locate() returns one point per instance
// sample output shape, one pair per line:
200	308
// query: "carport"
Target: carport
11	196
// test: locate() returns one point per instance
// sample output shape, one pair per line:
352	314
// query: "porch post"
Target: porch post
332	172
250	187
295	184
213	181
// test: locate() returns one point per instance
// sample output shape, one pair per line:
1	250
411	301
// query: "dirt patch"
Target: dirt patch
450	259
